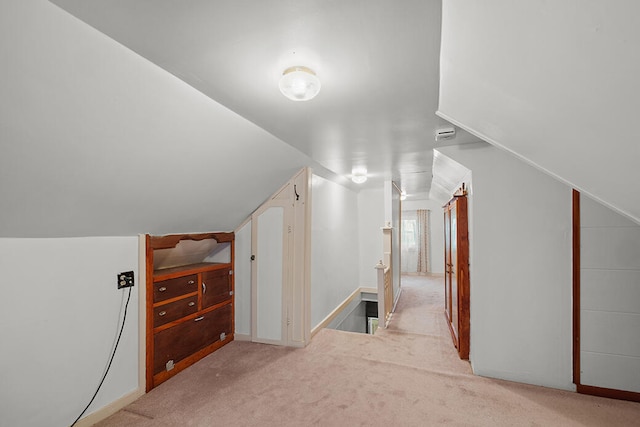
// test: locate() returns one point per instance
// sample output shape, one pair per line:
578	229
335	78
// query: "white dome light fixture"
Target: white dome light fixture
299	83
359	176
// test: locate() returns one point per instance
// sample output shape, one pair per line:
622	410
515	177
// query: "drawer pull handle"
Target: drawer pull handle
204	288
191	304
162	313
197	319
190	282
162	289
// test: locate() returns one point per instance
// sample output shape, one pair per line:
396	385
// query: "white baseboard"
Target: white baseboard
413	274
110	409
241	337
339	308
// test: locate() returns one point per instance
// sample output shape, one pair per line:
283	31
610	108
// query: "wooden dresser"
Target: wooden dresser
189	307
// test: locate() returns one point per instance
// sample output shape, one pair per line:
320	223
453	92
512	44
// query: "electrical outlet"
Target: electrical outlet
125	280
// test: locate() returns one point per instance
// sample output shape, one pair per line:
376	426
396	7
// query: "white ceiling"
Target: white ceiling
378	62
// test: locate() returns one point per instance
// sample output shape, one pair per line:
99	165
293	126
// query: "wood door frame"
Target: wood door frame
297	263
581	388
464	318
447	262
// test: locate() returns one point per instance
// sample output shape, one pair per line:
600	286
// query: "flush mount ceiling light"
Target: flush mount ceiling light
359	176
299	83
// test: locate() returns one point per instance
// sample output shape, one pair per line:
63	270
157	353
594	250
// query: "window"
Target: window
409	234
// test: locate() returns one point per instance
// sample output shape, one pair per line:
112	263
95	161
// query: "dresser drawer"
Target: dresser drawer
216	287
171	288
180	341
174	310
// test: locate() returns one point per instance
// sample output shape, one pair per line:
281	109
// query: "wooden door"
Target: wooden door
216	287
457	287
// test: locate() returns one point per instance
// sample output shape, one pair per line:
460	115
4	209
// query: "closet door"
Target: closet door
457	274
269	290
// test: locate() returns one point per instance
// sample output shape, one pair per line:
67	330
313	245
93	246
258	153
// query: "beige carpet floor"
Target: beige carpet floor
407	375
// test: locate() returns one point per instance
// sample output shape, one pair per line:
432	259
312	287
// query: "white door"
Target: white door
270	254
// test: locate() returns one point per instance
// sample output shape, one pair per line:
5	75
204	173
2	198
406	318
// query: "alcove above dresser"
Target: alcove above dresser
190	301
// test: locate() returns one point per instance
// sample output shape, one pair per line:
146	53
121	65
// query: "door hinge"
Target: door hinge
230	292
230	272
288	322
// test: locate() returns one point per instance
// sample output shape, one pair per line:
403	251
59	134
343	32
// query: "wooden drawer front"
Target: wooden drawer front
174	287
218	287
181	341
175	310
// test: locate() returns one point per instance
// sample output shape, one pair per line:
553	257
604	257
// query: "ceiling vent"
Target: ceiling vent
445	133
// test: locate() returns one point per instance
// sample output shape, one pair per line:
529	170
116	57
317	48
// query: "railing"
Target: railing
385	294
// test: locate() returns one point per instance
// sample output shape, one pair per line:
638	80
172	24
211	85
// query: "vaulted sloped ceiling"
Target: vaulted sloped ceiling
555	83
96	140
130	116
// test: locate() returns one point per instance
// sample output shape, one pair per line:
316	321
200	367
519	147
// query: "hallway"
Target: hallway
420	310
407	375
419	322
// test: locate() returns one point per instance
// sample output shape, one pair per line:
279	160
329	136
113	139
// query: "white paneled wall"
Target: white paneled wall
609	298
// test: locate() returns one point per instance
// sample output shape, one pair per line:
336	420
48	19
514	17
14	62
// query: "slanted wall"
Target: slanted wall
554	82
97	141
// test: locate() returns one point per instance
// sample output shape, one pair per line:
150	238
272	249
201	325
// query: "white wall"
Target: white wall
334	247
520	269
609	298
370	223
554	82
436	231
356	321
59	318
